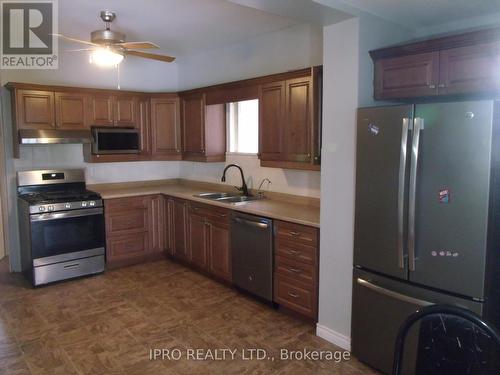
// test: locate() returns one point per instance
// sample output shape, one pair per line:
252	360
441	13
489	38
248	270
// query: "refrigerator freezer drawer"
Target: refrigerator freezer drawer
379	307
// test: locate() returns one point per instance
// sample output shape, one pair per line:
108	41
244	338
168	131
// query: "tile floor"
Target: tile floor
107	324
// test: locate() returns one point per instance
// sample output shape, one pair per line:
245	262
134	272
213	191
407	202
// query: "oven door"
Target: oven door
56	234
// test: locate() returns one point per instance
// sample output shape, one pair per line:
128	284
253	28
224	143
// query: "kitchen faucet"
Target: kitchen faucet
243	188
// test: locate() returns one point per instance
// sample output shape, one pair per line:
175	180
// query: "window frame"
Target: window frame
228	129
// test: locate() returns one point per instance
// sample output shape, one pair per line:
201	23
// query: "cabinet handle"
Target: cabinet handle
292	233
432	86
293	295
293	252
223	215
442	85
308	155
295	270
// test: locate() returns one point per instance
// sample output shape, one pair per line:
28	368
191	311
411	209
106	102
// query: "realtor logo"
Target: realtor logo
28	40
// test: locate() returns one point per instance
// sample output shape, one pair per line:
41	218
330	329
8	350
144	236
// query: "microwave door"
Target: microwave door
116	141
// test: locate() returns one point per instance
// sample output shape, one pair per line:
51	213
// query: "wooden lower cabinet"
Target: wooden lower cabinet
134	229
296	268
219	250
208	240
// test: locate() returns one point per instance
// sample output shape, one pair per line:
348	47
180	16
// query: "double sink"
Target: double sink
235	199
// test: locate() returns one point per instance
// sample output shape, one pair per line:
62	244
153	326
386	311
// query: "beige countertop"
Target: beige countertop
296	209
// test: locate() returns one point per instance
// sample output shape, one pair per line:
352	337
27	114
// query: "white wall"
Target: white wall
347	85
288	49
282	180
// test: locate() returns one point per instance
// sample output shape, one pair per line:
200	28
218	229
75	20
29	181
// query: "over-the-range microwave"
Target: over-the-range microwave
115	141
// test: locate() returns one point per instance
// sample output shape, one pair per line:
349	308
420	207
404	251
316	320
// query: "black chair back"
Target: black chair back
452	340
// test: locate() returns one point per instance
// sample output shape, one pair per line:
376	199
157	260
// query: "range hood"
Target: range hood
39	137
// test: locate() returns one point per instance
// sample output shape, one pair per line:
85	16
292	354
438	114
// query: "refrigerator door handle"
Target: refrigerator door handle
417	128
401	191
392	294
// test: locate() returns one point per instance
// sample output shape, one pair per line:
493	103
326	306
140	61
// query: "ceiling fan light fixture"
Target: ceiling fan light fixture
105	57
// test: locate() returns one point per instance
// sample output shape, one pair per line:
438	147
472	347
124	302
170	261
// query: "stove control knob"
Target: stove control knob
41	208
92	203
67	205
84	204
50	207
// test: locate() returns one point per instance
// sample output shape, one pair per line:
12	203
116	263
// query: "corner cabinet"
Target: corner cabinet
165	128
465	64
203	129
289	122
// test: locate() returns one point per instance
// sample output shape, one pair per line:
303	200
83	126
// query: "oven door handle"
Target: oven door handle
66	214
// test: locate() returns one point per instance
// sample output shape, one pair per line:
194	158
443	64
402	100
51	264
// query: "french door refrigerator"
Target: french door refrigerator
427	223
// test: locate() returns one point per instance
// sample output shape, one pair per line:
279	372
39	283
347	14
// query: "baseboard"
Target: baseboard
334	337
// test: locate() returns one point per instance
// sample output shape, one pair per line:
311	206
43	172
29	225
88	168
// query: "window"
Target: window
243	127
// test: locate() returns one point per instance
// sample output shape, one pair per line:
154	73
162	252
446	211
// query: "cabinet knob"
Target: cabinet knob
432	86
442	85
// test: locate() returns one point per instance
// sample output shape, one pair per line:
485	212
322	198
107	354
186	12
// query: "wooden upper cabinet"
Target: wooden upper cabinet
271	120
469	69
34	109
297	132
125	110
165	128
289	122
203	129
101	110
193	125
462	64
71	110
407	76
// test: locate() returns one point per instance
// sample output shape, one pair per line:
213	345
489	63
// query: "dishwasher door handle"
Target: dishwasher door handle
251	223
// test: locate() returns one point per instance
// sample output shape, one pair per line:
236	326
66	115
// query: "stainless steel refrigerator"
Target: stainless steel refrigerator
427	225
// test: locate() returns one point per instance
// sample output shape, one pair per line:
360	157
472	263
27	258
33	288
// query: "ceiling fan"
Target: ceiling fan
108	48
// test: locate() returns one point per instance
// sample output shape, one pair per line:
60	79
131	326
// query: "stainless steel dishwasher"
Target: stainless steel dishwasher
252	254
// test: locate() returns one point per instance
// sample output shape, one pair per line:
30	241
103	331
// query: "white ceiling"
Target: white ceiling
178	26
427	13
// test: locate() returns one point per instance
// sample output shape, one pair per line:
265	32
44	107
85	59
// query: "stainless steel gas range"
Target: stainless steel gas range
61	226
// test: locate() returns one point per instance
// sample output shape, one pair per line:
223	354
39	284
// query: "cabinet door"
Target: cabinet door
71	110
179	224
198	240
470	69
125	111
407	76
193	125
35	109
156	224
169	225
219	250
145	126
297	129
165	126
101	110
126	249
271	120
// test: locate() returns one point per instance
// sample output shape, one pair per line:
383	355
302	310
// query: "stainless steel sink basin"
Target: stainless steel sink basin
228	198
214	196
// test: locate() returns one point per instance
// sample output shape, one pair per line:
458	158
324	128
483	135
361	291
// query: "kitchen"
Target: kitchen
192	251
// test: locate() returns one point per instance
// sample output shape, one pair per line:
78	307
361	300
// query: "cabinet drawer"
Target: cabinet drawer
210	212
295	270
296	251
295	296
297	233
127	222
124	204
127	246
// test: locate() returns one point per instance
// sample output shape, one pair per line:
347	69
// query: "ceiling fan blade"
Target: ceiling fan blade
152	56
139	45
75	40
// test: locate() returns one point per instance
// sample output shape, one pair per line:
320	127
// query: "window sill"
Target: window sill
241	154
